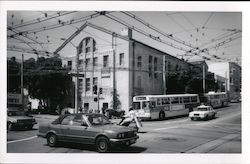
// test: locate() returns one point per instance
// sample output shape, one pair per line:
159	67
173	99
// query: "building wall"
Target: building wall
133	75
229	70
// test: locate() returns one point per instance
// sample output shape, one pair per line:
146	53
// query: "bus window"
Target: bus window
175	100
158	101
152	104
144	104
186	99
165	101
137	105
193	99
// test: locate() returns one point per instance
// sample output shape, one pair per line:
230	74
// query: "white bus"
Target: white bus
163	106
216	99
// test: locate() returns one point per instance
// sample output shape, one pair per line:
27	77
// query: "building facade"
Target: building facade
131	67
231	72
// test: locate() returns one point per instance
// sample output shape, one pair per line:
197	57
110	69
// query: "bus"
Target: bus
163	106
216	99
235	97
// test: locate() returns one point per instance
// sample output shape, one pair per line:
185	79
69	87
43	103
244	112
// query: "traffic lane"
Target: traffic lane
20	134
185	135
185	139
39	145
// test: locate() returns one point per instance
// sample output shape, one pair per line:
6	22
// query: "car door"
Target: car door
75	129
92	131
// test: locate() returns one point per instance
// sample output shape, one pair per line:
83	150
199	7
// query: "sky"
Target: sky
220	33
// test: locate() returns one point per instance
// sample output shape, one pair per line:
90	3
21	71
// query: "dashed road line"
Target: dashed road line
25	139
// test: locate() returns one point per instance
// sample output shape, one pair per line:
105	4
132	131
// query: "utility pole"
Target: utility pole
204	78
77	81
164	74
22	94
114	69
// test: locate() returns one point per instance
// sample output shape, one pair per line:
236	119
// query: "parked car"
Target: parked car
114	113
203	112
88	128
19	119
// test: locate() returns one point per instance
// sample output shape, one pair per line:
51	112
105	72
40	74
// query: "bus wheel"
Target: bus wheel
161	115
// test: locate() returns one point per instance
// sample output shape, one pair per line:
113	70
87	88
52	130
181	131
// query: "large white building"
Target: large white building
139	69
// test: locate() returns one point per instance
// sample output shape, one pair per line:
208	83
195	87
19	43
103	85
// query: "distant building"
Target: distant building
221	82
231	72
139	69
200	65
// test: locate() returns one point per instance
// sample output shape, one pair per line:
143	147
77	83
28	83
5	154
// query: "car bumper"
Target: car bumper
22	124
197	117
125	141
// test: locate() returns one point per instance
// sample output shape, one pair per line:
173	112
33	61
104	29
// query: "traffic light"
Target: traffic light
100	90
95	89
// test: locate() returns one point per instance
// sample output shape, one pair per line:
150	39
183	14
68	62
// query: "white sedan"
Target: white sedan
203	112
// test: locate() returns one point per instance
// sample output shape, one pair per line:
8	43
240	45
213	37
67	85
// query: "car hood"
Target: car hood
116	128
199	112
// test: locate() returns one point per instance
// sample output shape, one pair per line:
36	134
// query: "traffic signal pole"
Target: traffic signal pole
22	94
114	70
77	82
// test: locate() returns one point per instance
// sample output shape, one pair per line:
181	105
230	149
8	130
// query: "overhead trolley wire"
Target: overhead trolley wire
64	23
170	36
143	32
42	19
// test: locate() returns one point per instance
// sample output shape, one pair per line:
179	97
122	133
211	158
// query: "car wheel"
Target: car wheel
102	144
161	115
192	118
51	140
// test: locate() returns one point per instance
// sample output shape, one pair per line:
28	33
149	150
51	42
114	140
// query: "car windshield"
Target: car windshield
98	120
201	109
16	113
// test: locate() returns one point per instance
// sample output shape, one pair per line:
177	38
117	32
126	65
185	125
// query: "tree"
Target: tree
117	103
48	81
189	82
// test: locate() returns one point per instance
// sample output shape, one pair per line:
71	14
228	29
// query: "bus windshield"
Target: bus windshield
136	105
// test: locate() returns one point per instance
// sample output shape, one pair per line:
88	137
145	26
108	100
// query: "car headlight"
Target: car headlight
120	135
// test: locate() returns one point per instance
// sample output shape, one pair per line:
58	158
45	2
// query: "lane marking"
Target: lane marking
166	128
25	139
209	146
179	121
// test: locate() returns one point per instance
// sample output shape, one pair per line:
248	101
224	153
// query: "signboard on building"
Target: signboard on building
14	99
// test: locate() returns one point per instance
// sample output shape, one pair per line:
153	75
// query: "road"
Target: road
176	135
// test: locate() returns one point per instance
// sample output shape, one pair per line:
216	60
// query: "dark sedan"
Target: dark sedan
19	119
89	128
